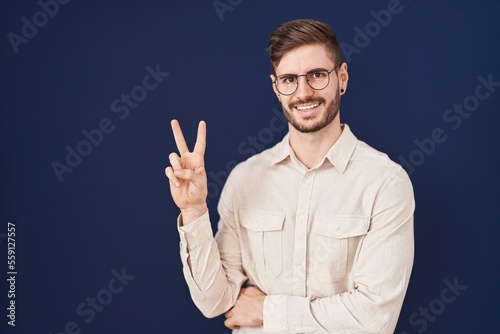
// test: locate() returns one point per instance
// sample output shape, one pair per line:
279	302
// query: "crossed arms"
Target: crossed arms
212	267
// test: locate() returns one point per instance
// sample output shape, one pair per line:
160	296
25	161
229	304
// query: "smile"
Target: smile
307	107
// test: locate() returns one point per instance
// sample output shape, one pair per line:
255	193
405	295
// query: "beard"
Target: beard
332	110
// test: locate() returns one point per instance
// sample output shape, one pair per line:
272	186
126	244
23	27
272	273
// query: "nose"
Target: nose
303	90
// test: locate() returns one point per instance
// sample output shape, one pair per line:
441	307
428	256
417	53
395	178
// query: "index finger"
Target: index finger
179	137
201	139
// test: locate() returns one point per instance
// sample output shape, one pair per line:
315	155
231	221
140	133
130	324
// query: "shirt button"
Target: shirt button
299	261
308	174
195	235
339	232
302	217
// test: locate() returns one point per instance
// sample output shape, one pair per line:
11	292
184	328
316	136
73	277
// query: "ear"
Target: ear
343	77
274	86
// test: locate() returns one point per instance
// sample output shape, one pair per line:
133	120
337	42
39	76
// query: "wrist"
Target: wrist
189	215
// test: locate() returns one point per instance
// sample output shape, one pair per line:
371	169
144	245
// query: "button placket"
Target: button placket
301	227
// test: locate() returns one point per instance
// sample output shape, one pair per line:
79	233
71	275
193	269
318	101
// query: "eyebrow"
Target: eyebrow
313	70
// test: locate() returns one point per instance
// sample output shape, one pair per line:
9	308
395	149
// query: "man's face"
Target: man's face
307	109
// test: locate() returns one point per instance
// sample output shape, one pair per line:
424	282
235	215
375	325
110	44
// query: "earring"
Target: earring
342	90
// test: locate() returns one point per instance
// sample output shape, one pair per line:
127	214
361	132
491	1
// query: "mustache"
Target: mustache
311	100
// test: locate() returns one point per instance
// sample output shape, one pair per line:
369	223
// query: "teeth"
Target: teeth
308	107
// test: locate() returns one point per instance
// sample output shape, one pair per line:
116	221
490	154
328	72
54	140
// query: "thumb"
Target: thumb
230	324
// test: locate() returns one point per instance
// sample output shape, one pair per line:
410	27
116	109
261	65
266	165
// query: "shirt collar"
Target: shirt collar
282	150
338	155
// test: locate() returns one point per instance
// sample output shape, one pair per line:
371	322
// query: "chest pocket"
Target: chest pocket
262	240
334	243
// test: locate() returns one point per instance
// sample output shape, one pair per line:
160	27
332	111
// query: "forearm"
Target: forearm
351	312
213	287
381	276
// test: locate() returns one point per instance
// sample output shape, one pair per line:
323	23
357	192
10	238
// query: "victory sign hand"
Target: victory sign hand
187	176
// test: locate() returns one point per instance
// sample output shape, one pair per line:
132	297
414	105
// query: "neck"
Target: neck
310	148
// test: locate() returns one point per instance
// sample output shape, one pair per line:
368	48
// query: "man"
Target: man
316	233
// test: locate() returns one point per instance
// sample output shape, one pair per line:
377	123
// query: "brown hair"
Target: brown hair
292	34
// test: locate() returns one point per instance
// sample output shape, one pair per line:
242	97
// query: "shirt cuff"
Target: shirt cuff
195	234
274	314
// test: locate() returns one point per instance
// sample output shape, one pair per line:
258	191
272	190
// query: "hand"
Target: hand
187	176
248	309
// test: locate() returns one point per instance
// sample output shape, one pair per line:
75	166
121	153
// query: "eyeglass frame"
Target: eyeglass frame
307	81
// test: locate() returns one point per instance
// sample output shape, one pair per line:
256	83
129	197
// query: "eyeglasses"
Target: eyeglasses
317	79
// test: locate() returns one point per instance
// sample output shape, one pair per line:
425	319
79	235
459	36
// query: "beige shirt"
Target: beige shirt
331	246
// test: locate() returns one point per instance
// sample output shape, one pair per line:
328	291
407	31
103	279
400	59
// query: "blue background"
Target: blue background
114	210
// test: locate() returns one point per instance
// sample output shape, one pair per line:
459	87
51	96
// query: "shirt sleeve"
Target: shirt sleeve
381	273
214	284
